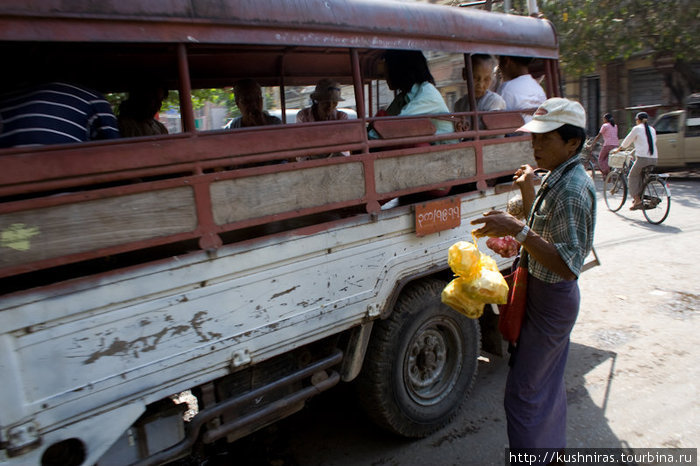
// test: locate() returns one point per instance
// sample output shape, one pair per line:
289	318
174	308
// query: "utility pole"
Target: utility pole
532	9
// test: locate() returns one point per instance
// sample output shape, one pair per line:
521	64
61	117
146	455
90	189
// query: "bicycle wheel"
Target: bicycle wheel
656	201
615	190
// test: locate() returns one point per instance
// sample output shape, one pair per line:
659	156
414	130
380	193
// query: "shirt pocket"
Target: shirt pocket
539	221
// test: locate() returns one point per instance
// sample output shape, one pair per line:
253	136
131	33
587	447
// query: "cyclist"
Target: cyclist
610	141
643	138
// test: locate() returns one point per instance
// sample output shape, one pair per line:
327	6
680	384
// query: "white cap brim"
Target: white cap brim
538	126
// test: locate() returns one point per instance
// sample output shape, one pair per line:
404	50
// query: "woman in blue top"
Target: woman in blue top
407	72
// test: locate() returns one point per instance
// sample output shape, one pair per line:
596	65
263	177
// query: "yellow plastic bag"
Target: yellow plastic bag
454	296
487	287
463	258
478	280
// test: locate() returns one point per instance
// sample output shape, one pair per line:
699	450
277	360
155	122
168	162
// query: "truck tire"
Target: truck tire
420	365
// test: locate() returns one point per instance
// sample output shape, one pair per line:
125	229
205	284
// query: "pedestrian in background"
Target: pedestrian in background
556	238
610	141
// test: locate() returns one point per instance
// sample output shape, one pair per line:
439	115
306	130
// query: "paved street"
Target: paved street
631	379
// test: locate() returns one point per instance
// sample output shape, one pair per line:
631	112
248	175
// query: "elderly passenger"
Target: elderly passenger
486	100
324	103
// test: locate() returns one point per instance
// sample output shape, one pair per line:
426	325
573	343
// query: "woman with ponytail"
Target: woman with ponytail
610	141
643	137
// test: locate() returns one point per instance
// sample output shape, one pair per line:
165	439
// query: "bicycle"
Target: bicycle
589	158
656	197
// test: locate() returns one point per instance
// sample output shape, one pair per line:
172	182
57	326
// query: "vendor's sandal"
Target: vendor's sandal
636	206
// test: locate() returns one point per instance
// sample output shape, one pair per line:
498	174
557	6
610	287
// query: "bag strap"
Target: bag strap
538	201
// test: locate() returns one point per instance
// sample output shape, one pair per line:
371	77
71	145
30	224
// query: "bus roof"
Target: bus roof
328	23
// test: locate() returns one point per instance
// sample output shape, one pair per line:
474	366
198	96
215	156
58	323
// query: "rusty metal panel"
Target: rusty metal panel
160	155
356	23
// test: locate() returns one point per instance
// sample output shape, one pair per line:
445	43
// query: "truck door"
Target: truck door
691	140
669	141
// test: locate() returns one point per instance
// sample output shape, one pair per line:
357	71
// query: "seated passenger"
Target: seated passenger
55	113
407	71
324	100
249	100
519	89
486	100
137	113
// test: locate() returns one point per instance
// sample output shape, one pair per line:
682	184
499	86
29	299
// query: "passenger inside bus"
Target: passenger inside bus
407	72
136	115
519	89
324	103
55	113
486	100
249	100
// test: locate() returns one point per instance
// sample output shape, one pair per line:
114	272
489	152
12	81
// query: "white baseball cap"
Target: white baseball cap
556	112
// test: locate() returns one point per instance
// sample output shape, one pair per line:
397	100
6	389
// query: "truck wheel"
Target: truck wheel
421	363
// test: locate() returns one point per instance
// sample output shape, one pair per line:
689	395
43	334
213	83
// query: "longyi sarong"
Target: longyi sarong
535	396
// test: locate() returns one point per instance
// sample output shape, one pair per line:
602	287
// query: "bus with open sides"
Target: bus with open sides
242	266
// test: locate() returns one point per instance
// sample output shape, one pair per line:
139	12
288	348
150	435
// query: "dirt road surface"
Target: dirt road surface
632	376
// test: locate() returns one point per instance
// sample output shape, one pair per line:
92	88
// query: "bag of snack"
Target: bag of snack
454	296
478	280
463	258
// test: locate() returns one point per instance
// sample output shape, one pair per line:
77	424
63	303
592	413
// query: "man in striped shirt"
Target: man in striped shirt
55	113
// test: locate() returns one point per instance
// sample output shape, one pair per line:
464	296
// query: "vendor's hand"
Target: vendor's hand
497	224
525	175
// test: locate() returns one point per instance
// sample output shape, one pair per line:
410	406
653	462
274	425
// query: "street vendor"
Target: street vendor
557	236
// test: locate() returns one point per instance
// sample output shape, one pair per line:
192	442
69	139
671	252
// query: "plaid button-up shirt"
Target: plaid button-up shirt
565	217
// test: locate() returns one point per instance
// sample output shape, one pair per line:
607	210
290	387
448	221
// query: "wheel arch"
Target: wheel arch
491	340
436	271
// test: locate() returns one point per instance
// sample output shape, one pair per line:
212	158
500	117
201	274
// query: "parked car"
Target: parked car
678	136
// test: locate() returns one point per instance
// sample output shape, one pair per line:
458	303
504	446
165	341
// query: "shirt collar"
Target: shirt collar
413	92
556	174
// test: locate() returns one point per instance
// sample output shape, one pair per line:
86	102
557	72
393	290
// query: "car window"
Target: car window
668	124
692	126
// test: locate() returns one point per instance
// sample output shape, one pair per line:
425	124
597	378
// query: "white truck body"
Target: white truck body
253	267
108	348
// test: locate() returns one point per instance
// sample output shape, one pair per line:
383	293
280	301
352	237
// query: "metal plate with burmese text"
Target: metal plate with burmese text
438	215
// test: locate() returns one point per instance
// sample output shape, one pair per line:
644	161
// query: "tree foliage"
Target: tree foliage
594	32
